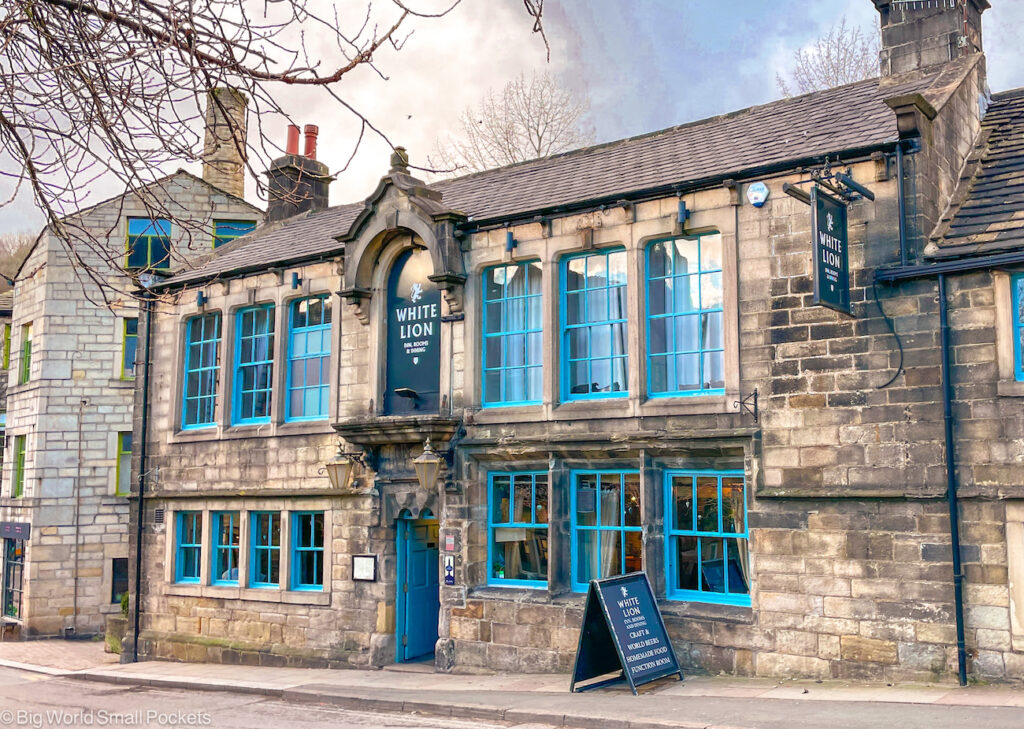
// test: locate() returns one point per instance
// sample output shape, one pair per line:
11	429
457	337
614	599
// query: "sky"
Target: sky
642	65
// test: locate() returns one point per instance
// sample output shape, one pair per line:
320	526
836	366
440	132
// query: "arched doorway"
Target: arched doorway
413	351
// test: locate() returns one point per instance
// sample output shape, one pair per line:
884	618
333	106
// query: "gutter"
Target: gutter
140	499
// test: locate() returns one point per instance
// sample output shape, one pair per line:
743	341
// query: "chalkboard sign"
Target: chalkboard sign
623	631
831	259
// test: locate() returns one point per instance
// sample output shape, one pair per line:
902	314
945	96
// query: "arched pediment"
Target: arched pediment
400	205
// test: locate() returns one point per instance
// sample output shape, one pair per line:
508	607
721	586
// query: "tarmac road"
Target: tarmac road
41	702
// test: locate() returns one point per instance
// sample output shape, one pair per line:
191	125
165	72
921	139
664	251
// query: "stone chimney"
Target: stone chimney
297	183
224	142
921	33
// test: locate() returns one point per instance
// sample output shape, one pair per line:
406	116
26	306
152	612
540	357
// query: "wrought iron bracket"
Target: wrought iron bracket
748	405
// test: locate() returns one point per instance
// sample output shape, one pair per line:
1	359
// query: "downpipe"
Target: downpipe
140	499
951	485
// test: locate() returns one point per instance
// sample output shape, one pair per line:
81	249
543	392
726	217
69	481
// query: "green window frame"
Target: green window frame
201	370
189	553
25	357
606	525
517	544
307	537
18	485
123	476
129	347
513	358
685	317
265	550
227	540
148	244
254	365
225	231
7	346
706	546
309	358
595	351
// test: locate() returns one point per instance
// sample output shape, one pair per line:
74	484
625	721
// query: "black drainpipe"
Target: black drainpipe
140	500
902	198
951	485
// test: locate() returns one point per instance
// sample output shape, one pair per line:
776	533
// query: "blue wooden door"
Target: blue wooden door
418	597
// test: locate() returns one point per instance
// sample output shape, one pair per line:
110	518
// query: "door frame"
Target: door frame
403	524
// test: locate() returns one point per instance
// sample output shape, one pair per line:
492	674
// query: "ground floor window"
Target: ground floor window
190	546
707	554
518	529
308	550
118	578
265	559
607	527
227	539
14	568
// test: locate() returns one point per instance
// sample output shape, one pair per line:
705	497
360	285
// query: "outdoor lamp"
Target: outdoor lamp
428	467
341	470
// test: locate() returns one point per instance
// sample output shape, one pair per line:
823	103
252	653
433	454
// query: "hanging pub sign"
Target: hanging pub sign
623	632
831	259
413	365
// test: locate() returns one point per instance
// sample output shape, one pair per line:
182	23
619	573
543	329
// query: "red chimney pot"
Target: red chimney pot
311	132
293	140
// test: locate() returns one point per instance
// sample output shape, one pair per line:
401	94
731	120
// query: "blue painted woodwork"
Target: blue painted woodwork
418	588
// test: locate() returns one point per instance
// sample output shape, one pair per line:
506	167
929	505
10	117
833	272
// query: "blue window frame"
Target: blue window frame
225	231
594	350
226	541
512	347
188	561
202	366
607	536
265	554
254	365
309	358
1018	325
148	244
685	320
706	550
517	545
307	566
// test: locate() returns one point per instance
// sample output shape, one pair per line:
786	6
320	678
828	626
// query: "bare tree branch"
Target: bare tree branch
531	117
844	55
115	90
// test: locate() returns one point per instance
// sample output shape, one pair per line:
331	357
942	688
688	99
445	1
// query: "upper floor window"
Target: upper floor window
225	231
1017	284
129	347
685	339
188	559
707	555
513	355
607	532
254	364
25	363
123	481
202	363
594	351
7	345
518	529
307	537
309	358
18	487
149	243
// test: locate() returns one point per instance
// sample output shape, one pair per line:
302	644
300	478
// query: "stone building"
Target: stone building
72	345
617	356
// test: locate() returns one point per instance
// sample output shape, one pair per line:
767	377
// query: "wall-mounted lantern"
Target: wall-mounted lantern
341	471
428	466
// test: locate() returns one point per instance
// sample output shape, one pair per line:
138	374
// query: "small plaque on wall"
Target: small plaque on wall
364	567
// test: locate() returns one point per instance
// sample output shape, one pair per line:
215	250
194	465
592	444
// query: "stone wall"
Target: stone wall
76	402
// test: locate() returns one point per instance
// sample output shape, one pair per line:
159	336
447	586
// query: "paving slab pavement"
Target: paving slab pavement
699	701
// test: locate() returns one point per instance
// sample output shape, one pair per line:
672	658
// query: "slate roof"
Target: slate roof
987	214
851	117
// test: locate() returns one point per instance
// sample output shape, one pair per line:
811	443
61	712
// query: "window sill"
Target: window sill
690	405
706	610
612	407
515	594
1010	388
262	430
117	383
254	594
